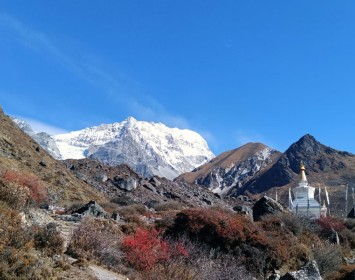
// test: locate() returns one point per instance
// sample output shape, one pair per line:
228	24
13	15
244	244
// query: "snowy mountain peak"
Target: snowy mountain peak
150	148
43	139
130	121
23	125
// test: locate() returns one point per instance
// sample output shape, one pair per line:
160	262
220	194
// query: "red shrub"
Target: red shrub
218	228
145	249
329	223
36	188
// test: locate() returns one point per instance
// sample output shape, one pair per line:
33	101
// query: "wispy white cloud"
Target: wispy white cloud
81	64
116	86
39	126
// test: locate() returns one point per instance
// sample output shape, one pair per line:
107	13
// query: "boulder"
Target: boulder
101	177
351	214
91	209
155	182
207	201
244	210
127	184
308	272
266	205
171	195
115	216
151	203
150	187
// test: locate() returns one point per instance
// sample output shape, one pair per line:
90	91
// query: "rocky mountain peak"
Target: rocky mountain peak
231	169
308	149
321	162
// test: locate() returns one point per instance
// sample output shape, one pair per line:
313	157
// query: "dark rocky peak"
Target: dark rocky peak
307	149
306	145
317	158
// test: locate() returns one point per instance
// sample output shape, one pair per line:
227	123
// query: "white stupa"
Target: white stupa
304	202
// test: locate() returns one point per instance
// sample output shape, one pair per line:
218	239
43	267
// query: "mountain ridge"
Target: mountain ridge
232	168
149	148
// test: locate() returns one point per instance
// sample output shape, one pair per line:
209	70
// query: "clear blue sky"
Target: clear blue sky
235	71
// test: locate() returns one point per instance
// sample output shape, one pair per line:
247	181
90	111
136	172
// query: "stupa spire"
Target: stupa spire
303	177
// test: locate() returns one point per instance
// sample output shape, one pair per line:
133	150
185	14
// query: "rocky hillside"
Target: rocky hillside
232	169
121	182
19	152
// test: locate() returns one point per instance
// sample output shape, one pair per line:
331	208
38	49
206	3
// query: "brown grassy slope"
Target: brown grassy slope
19	152
224	160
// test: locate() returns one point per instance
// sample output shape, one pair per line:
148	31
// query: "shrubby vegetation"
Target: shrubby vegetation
97	239
167	242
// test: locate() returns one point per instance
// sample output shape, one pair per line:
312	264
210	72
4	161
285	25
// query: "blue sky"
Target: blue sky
235	71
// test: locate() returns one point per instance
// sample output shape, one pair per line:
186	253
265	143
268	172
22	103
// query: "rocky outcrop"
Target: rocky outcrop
128	184
47	142
307	272
266	205
244	210
91	209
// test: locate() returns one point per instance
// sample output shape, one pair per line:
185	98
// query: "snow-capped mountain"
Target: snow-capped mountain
43	139
149	148
232	169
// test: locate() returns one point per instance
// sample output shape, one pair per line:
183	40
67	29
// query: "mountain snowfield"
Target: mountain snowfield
150	148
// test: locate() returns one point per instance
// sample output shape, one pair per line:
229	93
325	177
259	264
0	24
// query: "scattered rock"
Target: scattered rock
150	187
266	205
171	195
123	200
43	163
352	213
115	216
217	195
244	210
75	217
101	177
128	184
209	202
308	272
91	209
155	182
81	176
274	277
151	203
244	198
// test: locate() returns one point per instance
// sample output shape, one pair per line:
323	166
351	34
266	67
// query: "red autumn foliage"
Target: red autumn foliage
36	188
145	249
218	227
329	223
